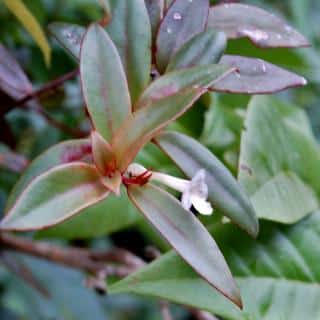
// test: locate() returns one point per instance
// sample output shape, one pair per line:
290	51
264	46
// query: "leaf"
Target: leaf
13	80
224	192
261	27
204	48
187	235
163	101
155	10
282	283
65	152
279	153
130	31
183	20
104	82
27	19
69	36
55	196
255	76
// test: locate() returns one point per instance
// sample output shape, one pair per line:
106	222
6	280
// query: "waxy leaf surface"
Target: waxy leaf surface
206	47
187	235
55	196
283	284
263	28
225	193
164	100
182	21
255	76
130	30
279	161
104	83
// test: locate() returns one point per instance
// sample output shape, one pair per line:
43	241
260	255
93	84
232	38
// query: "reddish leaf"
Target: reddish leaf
255	76
183	20
261	27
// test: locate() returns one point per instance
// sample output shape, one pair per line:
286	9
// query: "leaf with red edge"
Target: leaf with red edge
187	236
165	99
183	20
206	47
13	80
155	10
104	83
255	76
55	196
263	28
130	30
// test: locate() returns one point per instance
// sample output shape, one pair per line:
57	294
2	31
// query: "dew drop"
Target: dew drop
279	36
264	68
238	75
190	0
169	30
177	16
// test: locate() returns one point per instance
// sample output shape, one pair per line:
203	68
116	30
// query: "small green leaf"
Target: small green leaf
55	196
204	48
255	76
164	100
69	36
187	236
261	27
104	82
26	18
279	156
130	31
224	192
183	20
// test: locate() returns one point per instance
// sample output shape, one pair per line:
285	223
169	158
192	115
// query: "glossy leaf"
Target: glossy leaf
279	161
163	101
187	235
255	76
69	36
104	83
261	27
204	48
224	192
130	31
283	284
13	80
55	196
183	20
62	153
155	10
26	18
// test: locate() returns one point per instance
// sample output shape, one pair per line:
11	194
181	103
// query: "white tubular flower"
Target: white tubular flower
194	192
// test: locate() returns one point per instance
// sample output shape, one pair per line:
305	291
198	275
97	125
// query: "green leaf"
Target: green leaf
204	48
27	19
13	80
187	236
69	36
55	196
65	152
224	192
104	83
164	100
130	31
283	284
155	10
279	156
255	76
183	20
261	27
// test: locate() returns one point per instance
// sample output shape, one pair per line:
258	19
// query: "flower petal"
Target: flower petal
201	205
198	185
186	200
